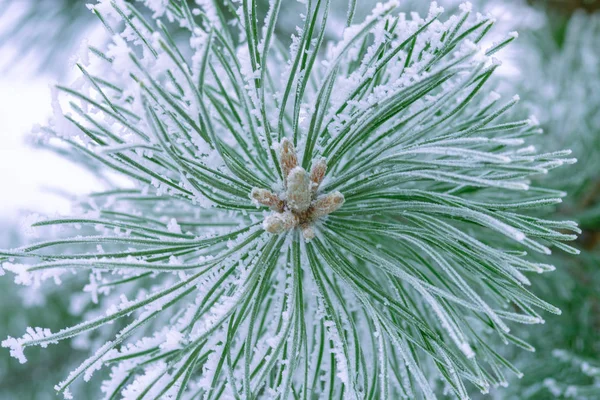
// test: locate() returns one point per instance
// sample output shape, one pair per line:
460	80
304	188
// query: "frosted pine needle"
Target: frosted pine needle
393	233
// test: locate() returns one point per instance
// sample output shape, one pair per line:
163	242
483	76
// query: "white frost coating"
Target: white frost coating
533	120
22	275
62	126
93	286
119	51
210	367
208	6
466	7
105	8
117	374
173	226
467	350
351	32
67	394
32	334
159	7
435	9
173	340
494	96
338	352
16	348
141	382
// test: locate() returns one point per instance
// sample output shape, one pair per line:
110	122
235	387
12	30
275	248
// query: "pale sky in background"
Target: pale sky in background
26	172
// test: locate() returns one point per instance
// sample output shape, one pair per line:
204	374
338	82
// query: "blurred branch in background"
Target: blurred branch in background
41	35
570	5
561	82
19	381
559	79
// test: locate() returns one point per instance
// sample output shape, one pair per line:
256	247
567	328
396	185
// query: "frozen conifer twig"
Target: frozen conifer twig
392	234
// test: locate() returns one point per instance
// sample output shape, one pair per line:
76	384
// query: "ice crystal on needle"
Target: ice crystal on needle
282	206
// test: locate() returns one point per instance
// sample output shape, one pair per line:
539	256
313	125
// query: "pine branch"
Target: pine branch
340	219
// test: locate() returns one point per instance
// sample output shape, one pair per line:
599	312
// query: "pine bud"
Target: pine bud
326	204
280	222
308	232
298	190
288	157
317	173
267	198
